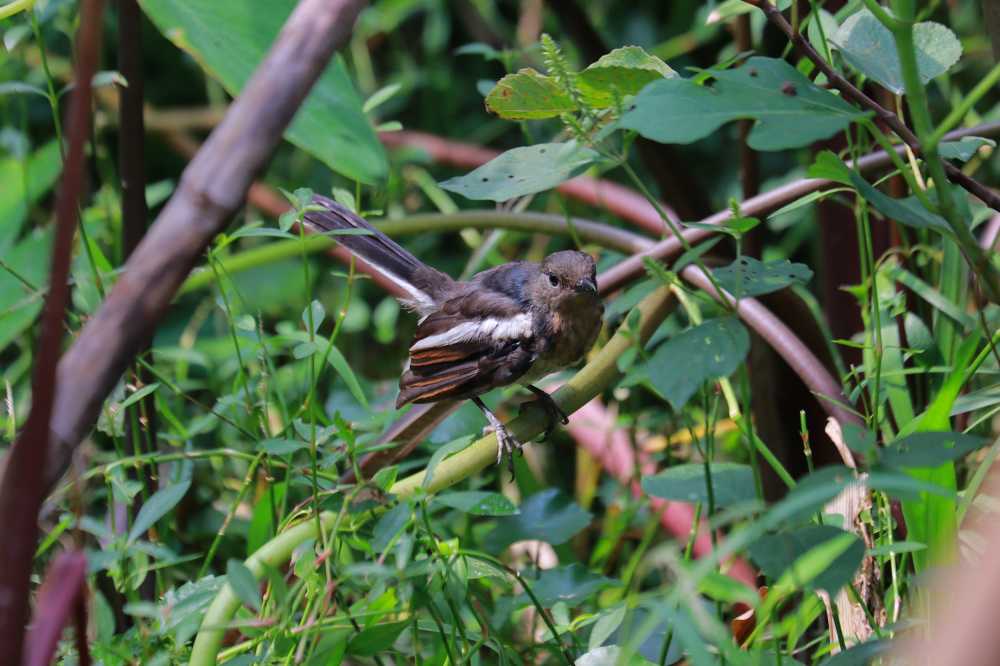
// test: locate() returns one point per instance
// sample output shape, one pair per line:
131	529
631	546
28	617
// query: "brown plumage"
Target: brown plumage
514	323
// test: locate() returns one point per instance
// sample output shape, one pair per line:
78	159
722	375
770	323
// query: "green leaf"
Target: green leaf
720	587
570	585
24	183
528	95
230	38
136	396
749	277
375	639
524	170
624	71
713	349
610	655
282	447
829	167
964	148
732	483
262	526
907	211
896	548
443	452
860	655
869	47
243	584
548	516
478	503
790	110
335	358
930	449
158	505
389	525
777	553
606	625
316	312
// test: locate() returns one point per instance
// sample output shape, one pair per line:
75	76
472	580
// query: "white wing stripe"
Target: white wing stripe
518	326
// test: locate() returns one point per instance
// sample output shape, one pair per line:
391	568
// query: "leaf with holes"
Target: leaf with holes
528	95
789	109
869	47
683	363
749	277
624	71
732	483
522	171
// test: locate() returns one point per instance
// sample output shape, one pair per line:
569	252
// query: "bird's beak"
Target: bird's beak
586	286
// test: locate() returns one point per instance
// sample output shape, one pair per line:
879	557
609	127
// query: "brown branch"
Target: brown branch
24	487
856	95
61	599
212	188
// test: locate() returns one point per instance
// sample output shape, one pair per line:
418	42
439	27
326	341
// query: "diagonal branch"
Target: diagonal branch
856	95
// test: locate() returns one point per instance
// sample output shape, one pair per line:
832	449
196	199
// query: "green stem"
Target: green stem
956	115
14	7
593	378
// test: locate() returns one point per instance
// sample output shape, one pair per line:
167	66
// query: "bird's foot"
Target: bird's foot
507	444
553	411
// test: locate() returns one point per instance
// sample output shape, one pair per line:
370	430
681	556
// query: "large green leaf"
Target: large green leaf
24	182
868	46
790	110
680	365
528	95
775	554
624	71
749	277
908	211
229	38
732	483
548	516
930	449
524	170
569	584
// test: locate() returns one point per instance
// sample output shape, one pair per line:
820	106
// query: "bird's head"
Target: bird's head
567	279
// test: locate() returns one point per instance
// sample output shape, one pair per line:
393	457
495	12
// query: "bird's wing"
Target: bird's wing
476	341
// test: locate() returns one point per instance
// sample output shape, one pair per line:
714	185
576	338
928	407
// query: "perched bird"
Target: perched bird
514	323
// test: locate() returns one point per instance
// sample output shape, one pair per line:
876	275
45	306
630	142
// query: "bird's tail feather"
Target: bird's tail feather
381	252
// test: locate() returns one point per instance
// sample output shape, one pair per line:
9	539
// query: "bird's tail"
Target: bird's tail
378	250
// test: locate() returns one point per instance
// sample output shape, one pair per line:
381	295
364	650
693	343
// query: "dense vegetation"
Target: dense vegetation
786	427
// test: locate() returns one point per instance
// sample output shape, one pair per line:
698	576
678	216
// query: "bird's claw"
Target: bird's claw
552	410
507	444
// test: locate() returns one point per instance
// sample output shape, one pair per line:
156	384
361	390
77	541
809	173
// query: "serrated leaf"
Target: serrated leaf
243	584
528	95
869	47
623	71
683	363
548	515
478	503
158	505
524	170
789	109
749	277
732	483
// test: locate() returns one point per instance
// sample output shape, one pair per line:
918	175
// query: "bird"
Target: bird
514	323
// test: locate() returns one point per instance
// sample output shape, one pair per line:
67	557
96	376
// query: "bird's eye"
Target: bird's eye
553	280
